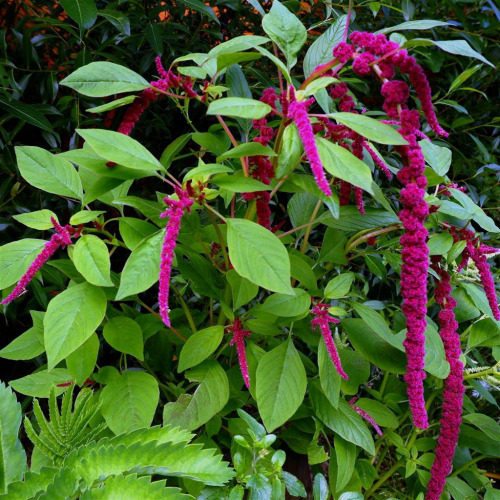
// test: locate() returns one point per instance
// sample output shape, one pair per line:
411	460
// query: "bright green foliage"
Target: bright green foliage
12	456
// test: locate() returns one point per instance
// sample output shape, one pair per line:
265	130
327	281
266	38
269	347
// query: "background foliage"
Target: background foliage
40	44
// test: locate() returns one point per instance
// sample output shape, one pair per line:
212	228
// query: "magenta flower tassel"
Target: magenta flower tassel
365	415
415	265
321	320
239	339
174	212
60	239
298	112
378	160
453	389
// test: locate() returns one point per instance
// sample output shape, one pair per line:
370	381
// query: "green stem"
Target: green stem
185	308
243	160
467	465
383	479
303	247
219	235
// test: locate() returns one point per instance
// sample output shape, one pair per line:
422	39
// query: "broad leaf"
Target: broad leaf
91	259
39	384
281	385
200	346
71	318
12	455
258	255
100	79
190	412
48	172
129	402
142	268
81	362
121	149
285	29
84	12
26	112
29	344
125	335
239	107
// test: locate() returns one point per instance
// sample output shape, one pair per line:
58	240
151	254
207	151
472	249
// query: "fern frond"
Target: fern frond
54	415
46	428
132	487
38	440
66	404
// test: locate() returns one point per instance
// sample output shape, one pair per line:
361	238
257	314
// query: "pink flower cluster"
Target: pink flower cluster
365	415
322	320
477	252
453	389
444	189
239	339
297	111
174	212
60	239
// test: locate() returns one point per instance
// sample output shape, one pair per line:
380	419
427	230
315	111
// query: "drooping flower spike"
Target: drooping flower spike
174	212
60	239
363	414
238	339
453	388
297	111
322	319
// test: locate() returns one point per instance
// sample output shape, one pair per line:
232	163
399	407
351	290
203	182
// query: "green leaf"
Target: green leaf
379	412
91	259
460	490
346	458
40	219
370	128
238	183
118	19
205	170
460	48
142	268
82	361
321	491
134	488
339	286
440	244
247	149
285	30
84	12
48	172
239	107
100	79
375	320
357	369
281	385
133	231
242	290
476	211
286	305
373	347
226	60
71	318
437	157
488	425
343	164
26	112
29	344
291	151
16	257
484	332
129	402
277	62
85	216
200	346
258	255
190	412
12	455
328	376
121	149
154	36
238	44
125	335
351	221
39	384
320	52
199	6
173	149
424	24
342	420
123	101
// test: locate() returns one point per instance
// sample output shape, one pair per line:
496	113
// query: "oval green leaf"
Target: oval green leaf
125	335
239	107
200	346
91	259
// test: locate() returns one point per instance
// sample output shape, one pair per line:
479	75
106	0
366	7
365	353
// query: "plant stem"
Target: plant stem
467	465
303	247
152	311
383	479
185	308
366	236
219	235
234	142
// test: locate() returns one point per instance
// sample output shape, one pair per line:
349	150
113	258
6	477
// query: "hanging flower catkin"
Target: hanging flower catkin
239	339
174	212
